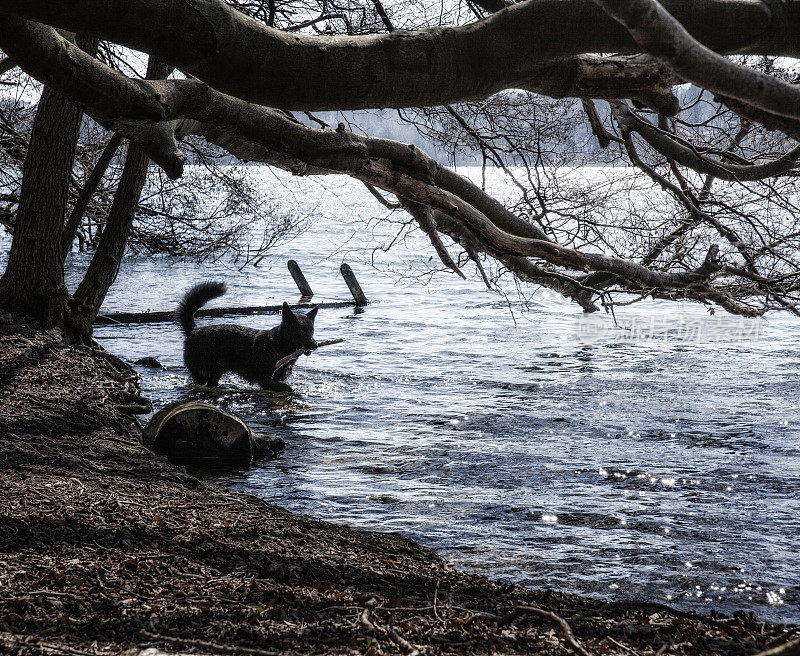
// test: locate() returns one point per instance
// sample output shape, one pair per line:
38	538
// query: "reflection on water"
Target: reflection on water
666	469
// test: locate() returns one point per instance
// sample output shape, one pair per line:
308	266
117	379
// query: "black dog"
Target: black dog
210	351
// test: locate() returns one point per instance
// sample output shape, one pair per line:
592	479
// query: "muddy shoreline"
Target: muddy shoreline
104	547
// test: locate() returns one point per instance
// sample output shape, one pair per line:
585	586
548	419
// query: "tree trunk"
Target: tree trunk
82	202
33	283
104	266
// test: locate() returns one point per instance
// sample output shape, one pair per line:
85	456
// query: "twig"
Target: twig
435	599
379	197
402	642
210	646
621	646
293	356
43	647
516	611
364	616
554	619
392	633
668	610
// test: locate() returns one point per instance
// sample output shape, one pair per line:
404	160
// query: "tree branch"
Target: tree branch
86	193
522	267
671	148
394	167
104	266
789	126
664	36
424	218
243	57
54	61
691	207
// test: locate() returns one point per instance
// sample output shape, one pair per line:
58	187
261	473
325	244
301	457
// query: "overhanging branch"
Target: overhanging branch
245	58
673	149
103	93
397	168
665	35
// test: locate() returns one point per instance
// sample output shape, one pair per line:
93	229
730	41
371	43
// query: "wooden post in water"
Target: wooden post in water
352	283
359	300
300	279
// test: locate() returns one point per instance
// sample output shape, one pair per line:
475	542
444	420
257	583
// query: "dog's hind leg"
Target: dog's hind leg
205	377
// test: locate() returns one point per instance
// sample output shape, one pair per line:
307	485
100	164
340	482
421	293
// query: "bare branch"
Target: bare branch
86	193
789	126
424	218
671	148
38	44
603	136
663	36
522	267
380	198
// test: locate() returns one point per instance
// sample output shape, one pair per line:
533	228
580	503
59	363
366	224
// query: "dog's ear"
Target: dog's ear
287	316
313	313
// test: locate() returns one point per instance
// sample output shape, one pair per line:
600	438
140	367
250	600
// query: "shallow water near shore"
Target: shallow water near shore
511	438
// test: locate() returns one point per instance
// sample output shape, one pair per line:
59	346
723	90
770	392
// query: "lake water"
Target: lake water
665	469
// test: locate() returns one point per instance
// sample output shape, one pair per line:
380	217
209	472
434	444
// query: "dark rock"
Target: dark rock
149	362
267	447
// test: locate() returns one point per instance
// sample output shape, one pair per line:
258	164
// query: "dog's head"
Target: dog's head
297	328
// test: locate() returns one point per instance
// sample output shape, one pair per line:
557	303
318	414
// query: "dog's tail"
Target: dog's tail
196	298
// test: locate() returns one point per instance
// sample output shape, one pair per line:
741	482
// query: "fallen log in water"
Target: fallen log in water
191	432
196	433
165	316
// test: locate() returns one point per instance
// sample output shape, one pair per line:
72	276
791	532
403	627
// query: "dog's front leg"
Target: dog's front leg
276	386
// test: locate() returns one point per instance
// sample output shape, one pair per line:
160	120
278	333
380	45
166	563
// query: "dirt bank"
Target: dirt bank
104	547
